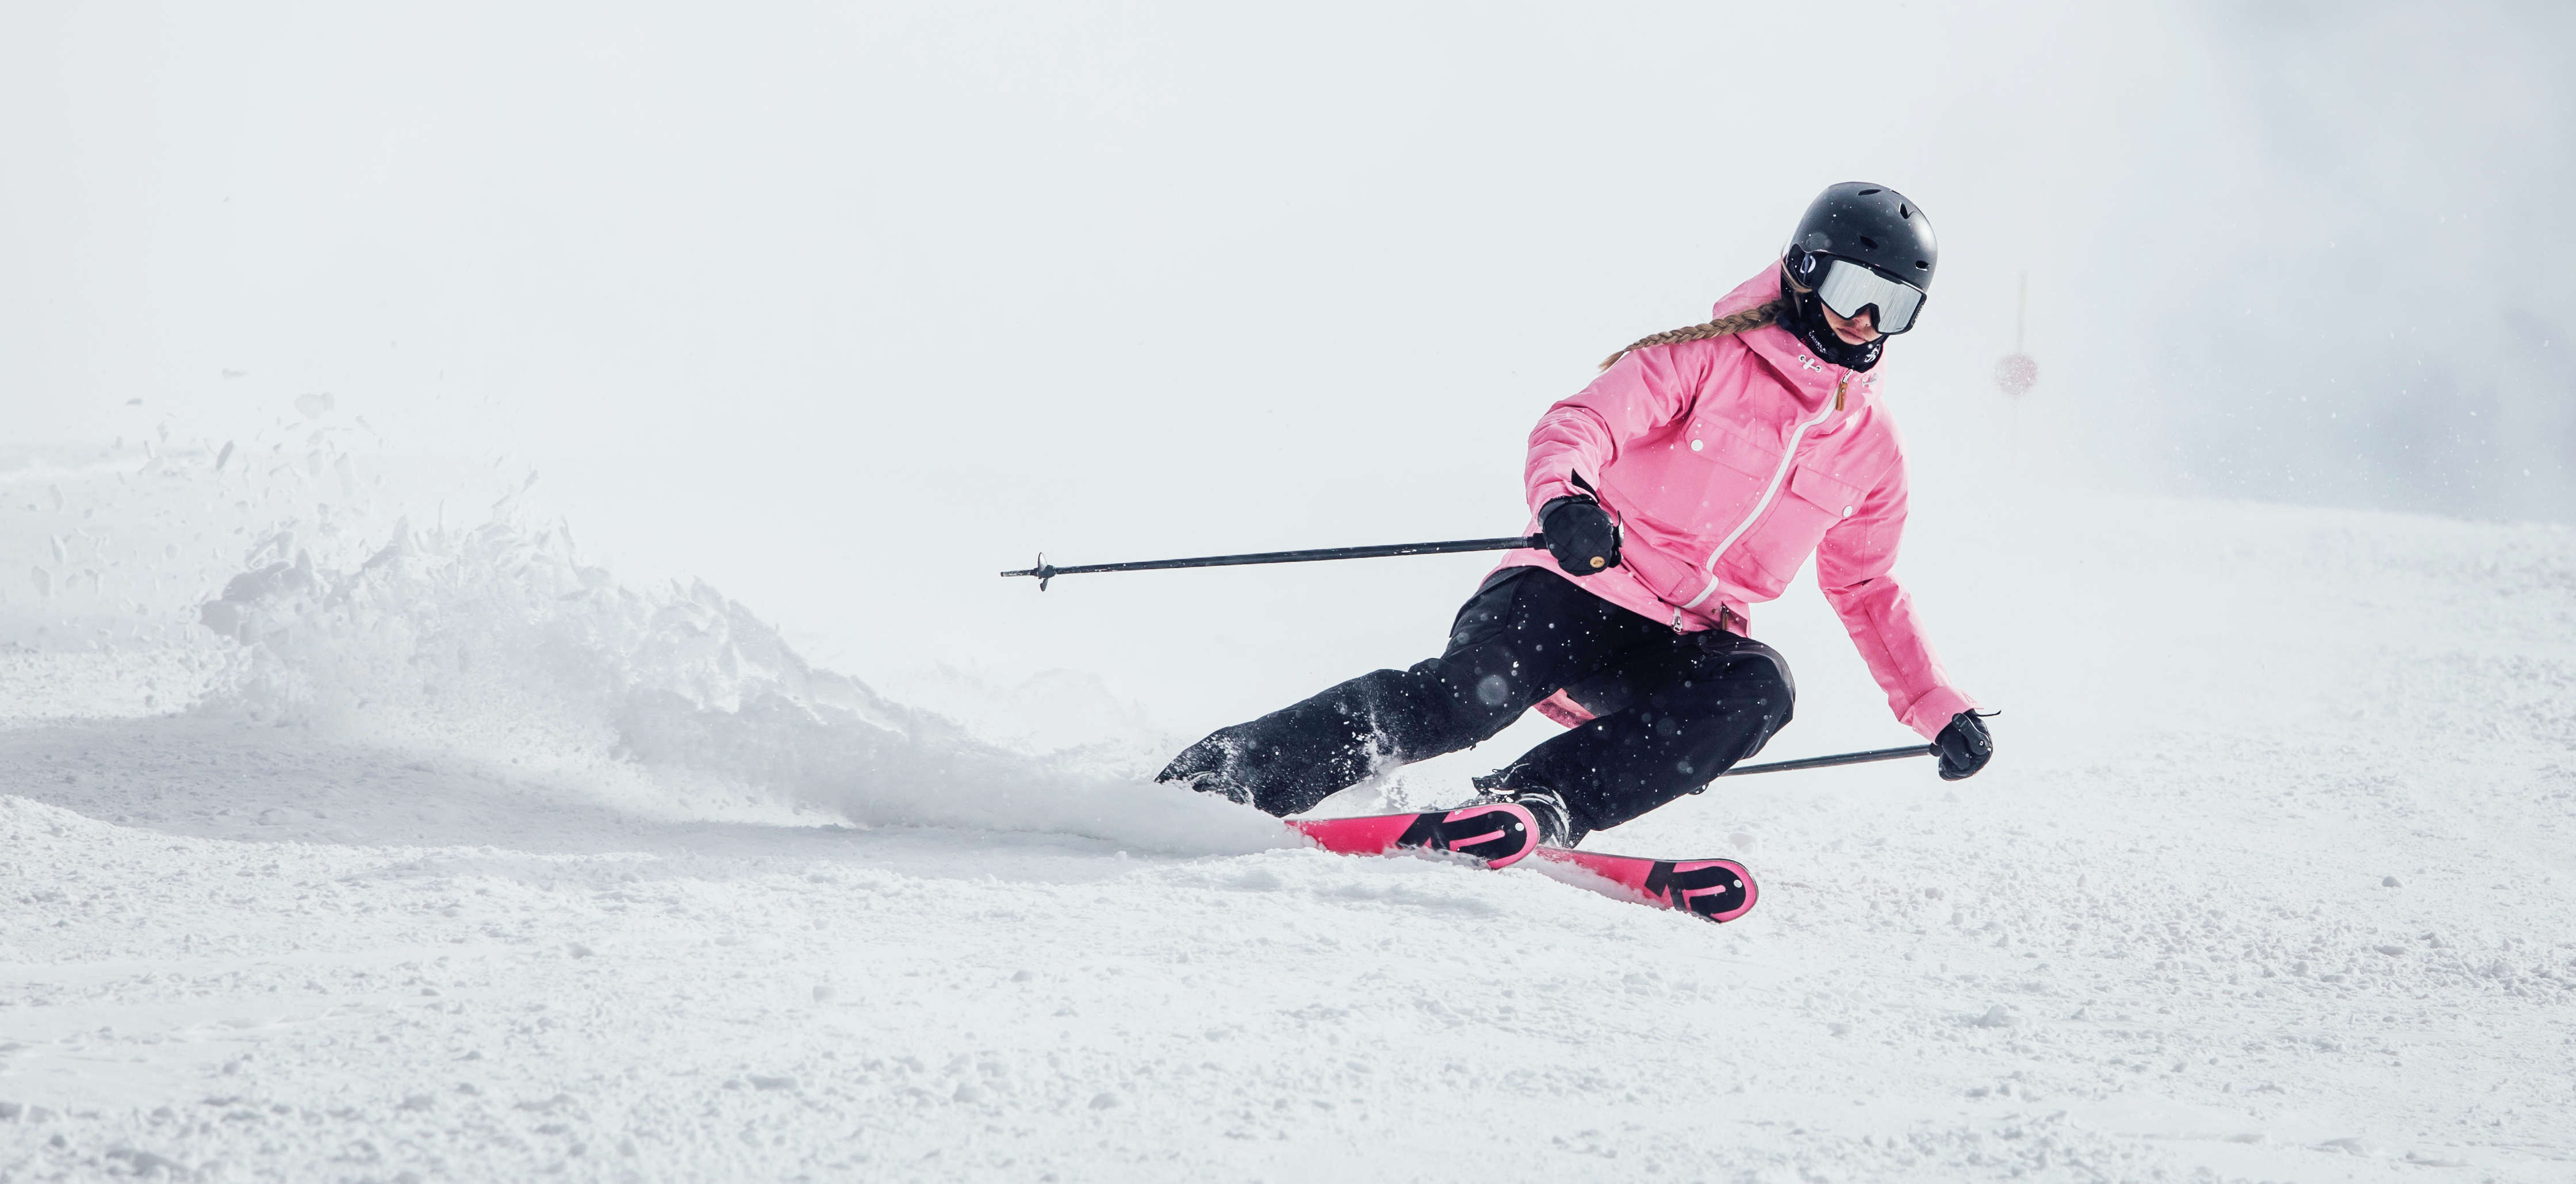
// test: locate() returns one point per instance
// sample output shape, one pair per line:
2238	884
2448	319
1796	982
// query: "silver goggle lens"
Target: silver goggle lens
1849	287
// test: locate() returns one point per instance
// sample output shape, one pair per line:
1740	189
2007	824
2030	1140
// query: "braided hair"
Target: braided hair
1751	318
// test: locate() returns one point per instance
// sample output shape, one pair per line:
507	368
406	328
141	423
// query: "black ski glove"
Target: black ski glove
1965	747
1580	534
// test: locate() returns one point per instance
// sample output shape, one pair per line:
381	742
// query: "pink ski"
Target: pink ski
1496	835
1718	889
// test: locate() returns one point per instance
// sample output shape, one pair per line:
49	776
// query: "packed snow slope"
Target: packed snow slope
345	849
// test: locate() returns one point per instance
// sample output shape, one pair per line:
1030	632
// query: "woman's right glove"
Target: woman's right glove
1965	747
1580	534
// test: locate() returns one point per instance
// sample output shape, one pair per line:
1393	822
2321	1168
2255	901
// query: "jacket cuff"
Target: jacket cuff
1932	712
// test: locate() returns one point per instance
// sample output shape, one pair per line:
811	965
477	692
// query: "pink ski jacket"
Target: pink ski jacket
1728	461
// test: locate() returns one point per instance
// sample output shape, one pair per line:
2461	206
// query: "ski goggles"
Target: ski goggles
1847	288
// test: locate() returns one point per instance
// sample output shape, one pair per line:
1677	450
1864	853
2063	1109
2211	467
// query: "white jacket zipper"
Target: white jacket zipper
1779	476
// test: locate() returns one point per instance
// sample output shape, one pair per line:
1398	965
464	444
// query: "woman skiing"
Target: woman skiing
1685	484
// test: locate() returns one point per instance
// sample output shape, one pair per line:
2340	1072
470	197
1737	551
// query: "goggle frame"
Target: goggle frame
1840	282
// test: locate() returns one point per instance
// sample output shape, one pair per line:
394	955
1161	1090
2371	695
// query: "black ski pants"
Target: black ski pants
1671	710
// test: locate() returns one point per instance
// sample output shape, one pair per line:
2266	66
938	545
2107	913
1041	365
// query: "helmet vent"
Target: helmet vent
1867	192
1903	210
1867	243
1922	266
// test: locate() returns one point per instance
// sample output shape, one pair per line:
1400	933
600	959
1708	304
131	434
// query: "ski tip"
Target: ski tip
1716	890
1728	890
1500	834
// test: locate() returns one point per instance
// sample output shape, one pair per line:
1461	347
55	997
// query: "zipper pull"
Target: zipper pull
1838	392
1677	621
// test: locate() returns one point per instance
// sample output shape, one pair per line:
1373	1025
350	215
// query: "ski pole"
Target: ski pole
1825	762
1044	572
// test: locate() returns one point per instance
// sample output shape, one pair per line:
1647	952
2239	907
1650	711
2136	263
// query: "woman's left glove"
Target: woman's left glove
1965	747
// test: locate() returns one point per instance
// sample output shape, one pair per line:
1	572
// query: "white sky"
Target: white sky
837	301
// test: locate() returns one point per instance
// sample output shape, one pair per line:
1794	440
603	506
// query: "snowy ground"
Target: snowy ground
476	865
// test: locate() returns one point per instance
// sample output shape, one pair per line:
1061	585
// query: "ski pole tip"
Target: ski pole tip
1043	572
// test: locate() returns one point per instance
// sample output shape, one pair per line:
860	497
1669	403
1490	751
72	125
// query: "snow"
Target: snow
431	851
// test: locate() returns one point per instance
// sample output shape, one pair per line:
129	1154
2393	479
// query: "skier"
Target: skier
1686	483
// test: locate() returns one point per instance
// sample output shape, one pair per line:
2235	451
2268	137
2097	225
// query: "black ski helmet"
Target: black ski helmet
1870	224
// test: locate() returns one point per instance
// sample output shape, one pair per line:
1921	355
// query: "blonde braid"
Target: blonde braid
1751	318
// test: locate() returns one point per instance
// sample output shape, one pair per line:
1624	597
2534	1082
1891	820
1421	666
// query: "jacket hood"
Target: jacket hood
1763	288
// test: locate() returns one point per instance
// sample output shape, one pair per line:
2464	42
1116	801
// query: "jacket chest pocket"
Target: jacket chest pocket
1722	447
1837	499
1809	507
